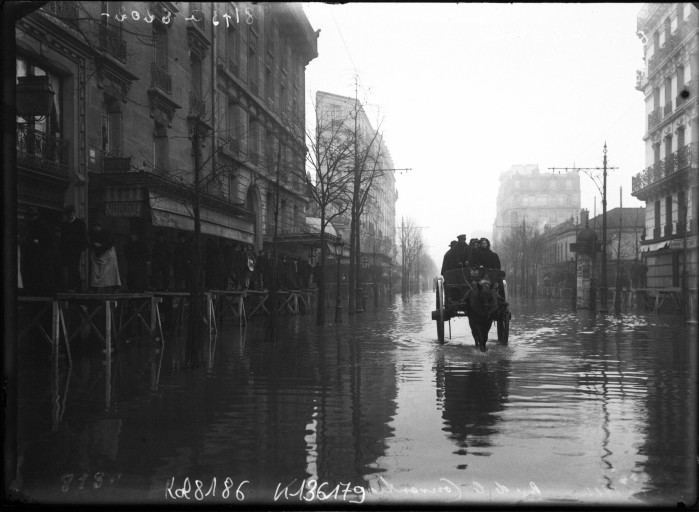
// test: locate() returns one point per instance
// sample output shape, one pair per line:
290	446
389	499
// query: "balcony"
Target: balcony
111	41
654	118
687	157
160	78
667	109
67	12
684	159
39	151
254	157
116	163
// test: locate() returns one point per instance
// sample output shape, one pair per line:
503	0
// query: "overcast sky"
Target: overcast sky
465	91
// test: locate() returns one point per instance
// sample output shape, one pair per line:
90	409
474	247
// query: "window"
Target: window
252	62
231	126
111	128
160	46
160	148
232	187
232	47
52	123
196	77
657	218
668	215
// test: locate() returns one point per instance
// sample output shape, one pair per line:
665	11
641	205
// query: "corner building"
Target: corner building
668	184
137	85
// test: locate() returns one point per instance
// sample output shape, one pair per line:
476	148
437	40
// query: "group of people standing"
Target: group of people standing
476	253
50	260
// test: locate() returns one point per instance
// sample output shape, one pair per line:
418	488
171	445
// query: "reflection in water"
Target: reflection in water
472	393
589	409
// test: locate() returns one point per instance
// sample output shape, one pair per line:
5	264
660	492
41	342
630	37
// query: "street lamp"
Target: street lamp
338	255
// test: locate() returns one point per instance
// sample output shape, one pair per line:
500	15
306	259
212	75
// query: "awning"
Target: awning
313	226
124	201
167	212
655	247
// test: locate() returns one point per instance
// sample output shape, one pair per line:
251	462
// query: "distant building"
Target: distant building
378	220
556	272
668	184
536	199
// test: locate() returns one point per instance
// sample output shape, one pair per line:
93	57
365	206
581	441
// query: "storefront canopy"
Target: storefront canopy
167	212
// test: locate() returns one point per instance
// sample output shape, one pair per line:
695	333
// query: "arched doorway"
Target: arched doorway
252	203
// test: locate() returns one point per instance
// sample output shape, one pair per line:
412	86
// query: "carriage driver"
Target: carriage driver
463	251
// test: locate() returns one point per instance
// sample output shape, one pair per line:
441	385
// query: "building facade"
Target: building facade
157	106
668	184
378	219
536	199
556	273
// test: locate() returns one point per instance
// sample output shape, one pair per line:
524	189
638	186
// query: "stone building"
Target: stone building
161	105
625	226
377	222
536	199
668	184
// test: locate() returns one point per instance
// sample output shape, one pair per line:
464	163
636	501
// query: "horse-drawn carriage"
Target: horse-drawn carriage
477	293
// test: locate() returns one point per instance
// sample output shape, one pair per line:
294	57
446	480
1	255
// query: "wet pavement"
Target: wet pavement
576	409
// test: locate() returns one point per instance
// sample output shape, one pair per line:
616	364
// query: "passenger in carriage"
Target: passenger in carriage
491	260
449	262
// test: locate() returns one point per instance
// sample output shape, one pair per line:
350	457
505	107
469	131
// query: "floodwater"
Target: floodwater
576	409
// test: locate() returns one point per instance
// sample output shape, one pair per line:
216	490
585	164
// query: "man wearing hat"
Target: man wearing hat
463	252
73	242
449	262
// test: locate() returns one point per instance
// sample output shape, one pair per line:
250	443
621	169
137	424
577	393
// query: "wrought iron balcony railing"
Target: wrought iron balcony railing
669	166
65	11
111	163
160	78
686	157
112	42
37	150
654	118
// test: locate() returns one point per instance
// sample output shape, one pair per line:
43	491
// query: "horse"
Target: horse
482	304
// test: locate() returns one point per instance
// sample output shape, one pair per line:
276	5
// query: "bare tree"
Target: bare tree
367	145
411	244
329	158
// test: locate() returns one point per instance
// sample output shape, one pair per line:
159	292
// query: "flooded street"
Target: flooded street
574	409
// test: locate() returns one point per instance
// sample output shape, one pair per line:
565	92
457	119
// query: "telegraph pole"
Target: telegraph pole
603	190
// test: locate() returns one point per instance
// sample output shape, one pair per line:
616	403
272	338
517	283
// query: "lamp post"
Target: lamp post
338	255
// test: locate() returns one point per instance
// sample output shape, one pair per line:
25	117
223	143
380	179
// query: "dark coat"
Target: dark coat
450	260
463	253
489	259
73	240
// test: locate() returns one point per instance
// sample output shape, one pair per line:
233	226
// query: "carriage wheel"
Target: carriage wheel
439	303
504	327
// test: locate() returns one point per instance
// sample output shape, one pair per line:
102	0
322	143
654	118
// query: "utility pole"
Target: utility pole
617	284
603	190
